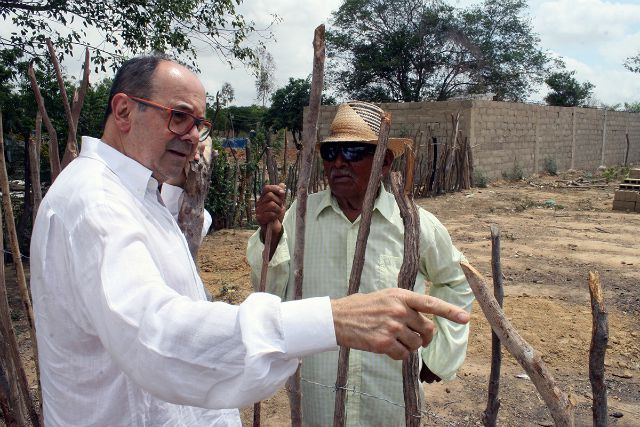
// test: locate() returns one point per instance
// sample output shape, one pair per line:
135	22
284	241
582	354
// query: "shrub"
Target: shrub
515	174
550	166
480	179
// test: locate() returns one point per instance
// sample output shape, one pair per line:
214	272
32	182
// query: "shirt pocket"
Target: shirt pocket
387	271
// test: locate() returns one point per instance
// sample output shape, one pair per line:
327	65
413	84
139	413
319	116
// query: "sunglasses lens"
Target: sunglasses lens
351	152
329	151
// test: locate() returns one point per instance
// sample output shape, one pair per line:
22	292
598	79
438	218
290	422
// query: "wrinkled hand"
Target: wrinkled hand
390	321
270	209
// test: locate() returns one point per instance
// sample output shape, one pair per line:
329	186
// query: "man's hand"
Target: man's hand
270	209
390	321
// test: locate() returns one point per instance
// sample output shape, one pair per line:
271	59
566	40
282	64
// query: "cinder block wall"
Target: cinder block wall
504	135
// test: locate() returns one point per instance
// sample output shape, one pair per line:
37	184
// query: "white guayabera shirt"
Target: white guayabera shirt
125	335
328	256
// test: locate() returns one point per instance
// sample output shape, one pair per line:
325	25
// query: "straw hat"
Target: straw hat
358	121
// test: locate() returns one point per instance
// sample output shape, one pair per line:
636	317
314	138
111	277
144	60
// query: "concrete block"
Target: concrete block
619	205
625	196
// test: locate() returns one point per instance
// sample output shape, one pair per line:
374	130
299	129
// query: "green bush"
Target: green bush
480	179
550	166
515	174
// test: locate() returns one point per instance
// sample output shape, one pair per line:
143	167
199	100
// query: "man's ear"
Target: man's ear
387	162
121	109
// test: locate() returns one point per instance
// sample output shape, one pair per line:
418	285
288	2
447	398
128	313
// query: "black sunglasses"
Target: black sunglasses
351	151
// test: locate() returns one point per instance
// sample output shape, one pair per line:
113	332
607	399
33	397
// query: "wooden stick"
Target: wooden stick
34	163
597	350
310	135
71	150
373	187
22	282
17	406
490	414
196	189
407	280
266	251
54	157
560	405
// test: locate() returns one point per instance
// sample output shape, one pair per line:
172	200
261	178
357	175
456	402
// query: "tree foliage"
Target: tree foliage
414	50
127	27
633	63
566	91
287	107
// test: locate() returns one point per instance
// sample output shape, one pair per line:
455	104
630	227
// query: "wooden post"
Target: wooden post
54	157
560	405
373	186
407	280
490	414
196	189
597	350
22	285
273	179
626	153
34	163
284	157
310	127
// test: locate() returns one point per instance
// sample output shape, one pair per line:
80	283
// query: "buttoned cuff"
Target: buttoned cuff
308	326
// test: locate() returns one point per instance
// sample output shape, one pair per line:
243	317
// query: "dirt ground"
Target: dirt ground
552	236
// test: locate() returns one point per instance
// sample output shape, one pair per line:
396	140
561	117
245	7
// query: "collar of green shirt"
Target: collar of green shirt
385	203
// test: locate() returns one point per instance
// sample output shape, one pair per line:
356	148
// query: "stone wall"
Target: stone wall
506	136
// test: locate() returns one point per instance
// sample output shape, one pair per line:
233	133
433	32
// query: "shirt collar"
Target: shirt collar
132	174
384	203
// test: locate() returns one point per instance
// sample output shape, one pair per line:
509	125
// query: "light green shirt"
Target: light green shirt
330	241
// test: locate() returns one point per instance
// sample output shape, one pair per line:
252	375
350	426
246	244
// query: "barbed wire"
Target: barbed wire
11	253
423	412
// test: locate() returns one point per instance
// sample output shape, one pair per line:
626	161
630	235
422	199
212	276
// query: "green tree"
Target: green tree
632	107
566	91
415	50
265	70
128	27
633	63
287	107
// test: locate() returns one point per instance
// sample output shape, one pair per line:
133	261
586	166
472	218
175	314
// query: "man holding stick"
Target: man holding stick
125	334
332	223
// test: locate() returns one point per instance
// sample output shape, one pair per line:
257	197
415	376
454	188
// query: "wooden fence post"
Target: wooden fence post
597	350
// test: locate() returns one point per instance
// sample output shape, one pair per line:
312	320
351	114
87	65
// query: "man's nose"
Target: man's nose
340	160
193	136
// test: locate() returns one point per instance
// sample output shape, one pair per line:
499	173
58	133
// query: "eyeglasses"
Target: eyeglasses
351	151
180	122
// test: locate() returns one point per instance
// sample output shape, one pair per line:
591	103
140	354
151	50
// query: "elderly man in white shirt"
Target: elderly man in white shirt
125	334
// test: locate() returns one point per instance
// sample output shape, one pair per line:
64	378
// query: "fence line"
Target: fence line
423	412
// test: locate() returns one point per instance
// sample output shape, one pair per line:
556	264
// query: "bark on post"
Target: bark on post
597	350
54	157
407	280
16	403
560	405
71	150
373	186
22	282
310	134
272	168
196	188
34	163
490	414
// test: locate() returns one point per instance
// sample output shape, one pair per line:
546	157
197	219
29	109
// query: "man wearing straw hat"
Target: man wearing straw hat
332	222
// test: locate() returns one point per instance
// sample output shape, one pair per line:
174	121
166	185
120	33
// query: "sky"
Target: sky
593	37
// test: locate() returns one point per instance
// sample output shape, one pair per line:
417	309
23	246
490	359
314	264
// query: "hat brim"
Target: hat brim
396	145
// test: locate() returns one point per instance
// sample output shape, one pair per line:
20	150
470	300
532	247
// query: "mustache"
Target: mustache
341	172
